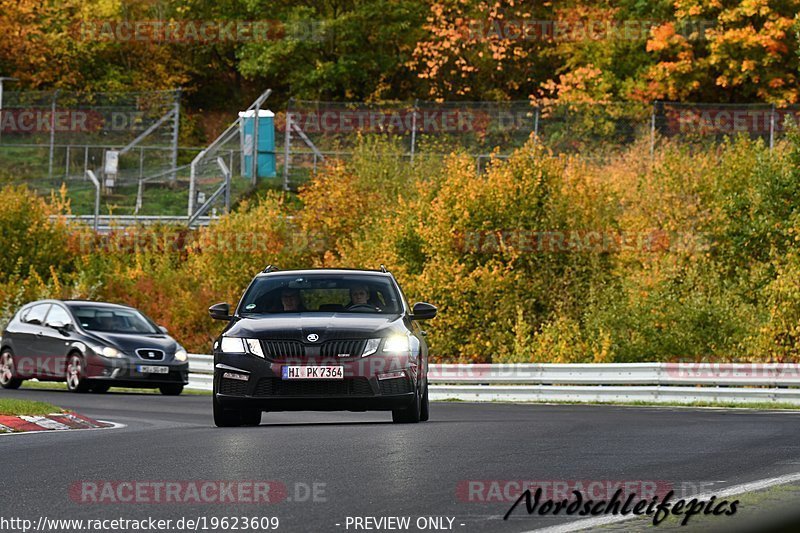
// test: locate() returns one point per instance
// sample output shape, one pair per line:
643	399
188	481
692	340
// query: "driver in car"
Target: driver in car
290	300
360	297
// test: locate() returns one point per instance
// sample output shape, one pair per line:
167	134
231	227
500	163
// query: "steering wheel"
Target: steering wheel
362	306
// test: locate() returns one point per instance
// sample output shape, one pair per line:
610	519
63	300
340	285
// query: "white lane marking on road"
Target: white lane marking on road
591	523
114	425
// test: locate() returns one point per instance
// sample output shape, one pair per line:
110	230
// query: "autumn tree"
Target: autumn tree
736	51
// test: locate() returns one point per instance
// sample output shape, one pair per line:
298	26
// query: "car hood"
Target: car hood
128	343
298	326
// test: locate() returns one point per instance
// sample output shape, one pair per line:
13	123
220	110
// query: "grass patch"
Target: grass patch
26	407
725	405
55	385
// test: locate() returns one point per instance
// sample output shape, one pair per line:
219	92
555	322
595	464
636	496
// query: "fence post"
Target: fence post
176	125
287	146
254	161
536	113
66	166
414	128
772	127
52	136
96	197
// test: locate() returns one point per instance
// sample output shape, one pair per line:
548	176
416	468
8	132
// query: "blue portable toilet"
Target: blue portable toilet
266	143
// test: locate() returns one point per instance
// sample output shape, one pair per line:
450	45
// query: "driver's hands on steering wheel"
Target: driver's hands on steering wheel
362	306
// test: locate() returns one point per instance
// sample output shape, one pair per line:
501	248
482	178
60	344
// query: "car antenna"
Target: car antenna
270	268
383	269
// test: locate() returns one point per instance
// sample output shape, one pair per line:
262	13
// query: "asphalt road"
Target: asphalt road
365	466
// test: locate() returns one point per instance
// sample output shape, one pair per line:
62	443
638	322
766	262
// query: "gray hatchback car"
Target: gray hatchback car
91	346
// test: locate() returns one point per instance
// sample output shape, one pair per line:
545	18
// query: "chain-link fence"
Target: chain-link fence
50	138
713	122
313	131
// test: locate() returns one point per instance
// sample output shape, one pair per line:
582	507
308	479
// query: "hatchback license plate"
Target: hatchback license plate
313	372
153	369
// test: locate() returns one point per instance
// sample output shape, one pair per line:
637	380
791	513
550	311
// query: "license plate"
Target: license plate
313	372
153	369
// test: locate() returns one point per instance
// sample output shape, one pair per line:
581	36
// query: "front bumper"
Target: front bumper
125	372
360	390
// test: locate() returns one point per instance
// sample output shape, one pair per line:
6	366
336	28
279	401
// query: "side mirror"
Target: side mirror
163	329
423	311
59	325
220	311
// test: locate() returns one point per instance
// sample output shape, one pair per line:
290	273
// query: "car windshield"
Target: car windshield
320	293
112	319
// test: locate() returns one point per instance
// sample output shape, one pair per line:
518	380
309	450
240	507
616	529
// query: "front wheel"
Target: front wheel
76	376
251	417
225	418
100	388
424	410
409	415
171	389
8	375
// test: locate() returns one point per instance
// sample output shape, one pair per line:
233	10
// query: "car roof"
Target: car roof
92	303
334	271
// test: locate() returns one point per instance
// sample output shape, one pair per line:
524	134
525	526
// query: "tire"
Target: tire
409	415
424	410
8	374
225	418
173	389
76	377
250	417
100	388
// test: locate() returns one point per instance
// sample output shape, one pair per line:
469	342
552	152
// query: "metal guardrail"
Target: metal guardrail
106	223
608	382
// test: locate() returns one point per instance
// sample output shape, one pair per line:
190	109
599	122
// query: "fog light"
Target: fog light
392	375
234	375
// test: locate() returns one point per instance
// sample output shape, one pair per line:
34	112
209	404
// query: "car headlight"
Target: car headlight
107	351
181	355
396	343
371	347
254	347
232	345
240	345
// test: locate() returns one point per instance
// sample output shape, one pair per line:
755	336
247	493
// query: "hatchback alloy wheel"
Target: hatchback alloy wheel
7	375
76	380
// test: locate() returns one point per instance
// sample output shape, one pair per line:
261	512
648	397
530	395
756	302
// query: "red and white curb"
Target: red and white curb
52	422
